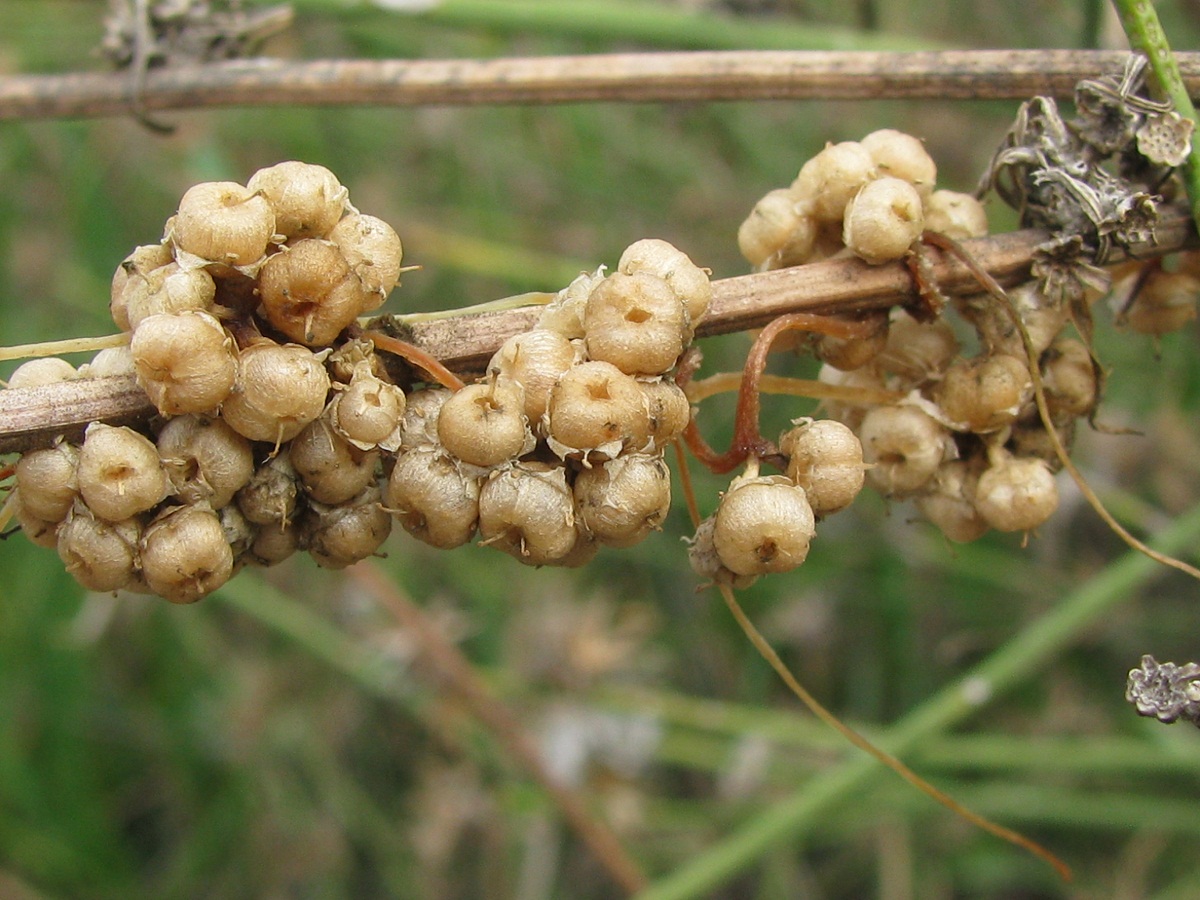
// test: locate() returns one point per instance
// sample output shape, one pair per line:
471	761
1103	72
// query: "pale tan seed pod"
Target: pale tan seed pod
185	363
777	233
280	389
223	222
38	531
484	424
351	356
167	289
309	293
119	472
184	554
137	264
903	446
1029	438
883	220
331	469
917	351
948	501
47	481
984	394
1165	303
668	409
957	216
1016	494
41	372
339	536
239	533
205	459
1069	378
1043	317
100	555
689	282
763	524
565	313
273	544
527	510
849	354
419	424
829	180
308	200
621	501
373	250
110	362
368	412
272	495
636	322
535	360
902	156
868	380
826	459
705	562
595	412
435	500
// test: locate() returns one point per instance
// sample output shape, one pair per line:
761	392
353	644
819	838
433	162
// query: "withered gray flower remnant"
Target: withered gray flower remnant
1165	691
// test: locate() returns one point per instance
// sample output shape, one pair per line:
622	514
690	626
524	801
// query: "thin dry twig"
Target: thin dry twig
448	664
33	417
700	76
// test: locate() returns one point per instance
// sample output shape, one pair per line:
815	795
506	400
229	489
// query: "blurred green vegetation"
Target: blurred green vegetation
277	740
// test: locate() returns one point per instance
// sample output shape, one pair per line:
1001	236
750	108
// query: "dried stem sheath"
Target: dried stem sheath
700	76
31	417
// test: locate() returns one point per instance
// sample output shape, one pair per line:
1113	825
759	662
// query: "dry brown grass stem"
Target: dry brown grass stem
31	417
620	77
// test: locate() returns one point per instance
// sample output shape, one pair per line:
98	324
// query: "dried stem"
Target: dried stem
31	417
623	77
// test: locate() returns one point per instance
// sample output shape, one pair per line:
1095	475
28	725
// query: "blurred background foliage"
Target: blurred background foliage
279	739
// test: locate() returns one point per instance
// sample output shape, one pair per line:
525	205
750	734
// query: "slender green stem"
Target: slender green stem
1146	35
1022	657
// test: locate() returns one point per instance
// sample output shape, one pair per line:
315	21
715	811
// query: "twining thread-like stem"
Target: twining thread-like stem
729	382
416	357
1022	657
68	345
1146	35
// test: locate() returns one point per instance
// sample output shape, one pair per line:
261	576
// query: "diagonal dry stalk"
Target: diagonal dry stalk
613	77
31	417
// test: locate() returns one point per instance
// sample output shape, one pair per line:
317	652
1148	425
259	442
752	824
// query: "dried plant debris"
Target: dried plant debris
1165	691
1096	181
153	33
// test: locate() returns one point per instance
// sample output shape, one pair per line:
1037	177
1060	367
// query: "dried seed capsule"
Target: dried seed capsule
903	445
273	493
167	289
119	472
185	554
948	501
1043	317
849	408
883	220
778	232
309	293
205	459
829	180
668	408
1165	303
903	156
624	499
527	511
280	389
657	257
41	372
985	393
1069	378
434	499
418	426
137	264
184	362
957	216
595	411
308	200
763	524
535	360
38	531
705	562
373	250
223	222
368	412
1030	438
273	544
100	555
636	322
1016	494
339	536
110	362
849	354
331	469
239	533
916	350
826	459
565	314
484	424
47	481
